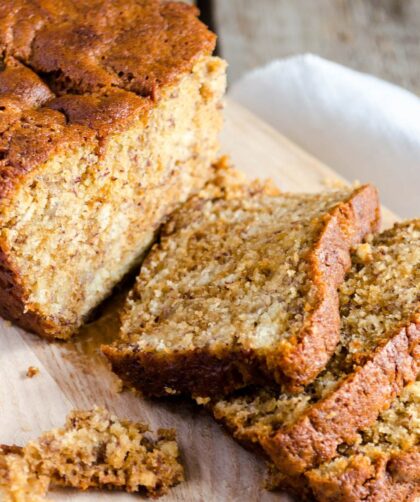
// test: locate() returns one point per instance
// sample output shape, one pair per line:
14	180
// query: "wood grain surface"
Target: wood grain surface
75	374
381	37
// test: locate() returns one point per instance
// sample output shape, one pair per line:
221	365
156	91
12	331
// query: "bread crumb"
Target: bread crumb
202	400
32	371
170	390
119	386
364	252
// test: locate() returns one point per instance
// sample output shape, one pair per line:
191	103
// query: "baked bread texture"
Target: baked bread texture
109	117
383	465
377	357
93	450
17	482
239	290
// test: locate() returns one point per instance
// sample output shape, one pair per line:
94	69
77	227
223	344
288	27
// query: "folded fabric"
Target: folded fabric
361	126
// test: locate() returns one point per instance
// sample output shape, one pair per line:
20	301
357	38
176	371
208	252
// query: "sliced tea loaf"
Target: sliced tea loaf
241	289
93	450
378	355
383	465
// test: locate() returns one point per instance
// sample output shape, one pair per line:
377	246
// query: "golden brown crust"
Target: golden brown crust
120	54
102	113
389	478
203	372
346	226
18	81
93	46
157	375
355	404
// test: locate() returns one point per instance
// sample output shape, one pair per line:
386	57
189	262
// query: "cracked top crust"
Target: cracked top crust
87	46
73	71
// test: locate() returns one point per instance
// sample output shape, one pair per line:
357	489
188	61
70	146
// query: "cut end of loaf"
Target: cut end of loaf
109	116
76	224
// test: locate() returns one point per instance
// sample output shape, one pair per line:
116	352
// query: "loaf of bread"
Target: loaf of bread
377	357
109	117
383	464
93	450
241	290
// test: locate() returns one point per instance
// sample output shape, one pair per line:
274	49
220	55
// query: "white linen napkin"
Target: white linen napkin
362	127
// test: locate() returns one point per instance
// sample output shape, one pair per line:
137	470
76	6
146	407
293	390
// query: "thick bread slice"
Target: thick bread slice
240	290
93	450
377	357
382	466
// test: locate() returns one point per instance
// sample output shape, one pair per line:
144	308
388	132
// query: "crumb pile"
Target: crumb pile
93	450
32	371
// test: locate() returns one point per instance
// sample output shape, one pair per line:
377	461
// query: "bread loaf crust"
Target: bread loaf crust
92	47
346	226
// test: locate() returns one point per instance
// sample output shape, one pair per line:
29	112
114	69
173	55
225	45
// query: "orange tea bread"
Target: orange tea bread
239	290
109	117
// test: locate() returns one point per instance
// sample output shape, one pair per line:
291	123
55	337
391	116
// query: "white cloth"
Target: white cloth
364	128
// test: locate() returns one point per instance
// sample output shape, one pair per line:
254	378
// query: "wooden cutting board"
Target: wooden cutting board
75	375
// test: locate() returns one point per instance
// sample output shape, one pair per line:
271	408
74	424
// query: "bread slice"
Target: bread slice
383	465
241	290
378	355
93	450
109	117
